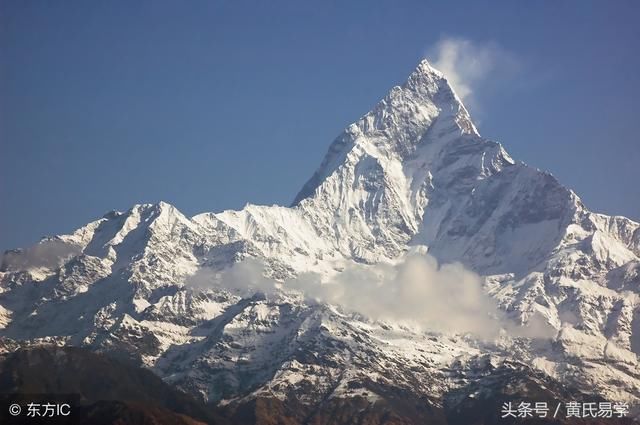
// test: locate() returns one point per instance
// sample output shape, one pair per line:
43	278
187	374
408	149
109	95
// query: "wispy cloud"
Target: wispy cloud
447	298
469	65
443	298
47	253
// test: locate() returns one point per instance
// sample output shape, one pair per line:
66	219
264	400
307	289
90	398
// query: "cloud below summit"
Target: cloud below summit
415	290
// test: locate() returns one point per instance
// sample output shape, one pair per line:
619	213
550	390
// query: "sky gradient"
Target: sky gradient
209	105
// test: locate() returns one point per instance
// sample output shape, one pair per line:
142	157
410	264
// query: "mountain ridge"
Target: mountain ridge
414	173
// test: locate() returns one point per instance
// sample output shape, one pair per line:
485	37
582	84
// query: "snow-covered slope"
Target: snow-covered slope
412	172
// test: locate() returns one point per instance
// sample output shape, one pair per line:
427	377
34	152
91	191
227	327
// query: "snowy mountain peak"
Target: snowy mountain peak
424	67
430	86
395	128
411	174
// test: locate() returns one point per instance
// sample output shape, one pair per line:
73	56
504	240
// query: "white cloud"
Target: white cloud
47	253
244	278
447	298
469	65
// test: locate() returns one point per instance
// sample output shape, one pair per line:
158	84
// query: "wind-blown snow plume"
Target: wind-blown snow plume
467	64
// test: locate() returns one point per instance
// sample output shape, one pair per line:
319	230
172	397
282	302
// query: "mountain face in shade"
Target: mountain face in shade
99	390
104	391
414	173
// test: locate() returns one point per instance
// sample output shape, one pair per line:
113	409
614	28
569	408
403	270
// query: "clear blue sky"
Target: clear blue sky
209	105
